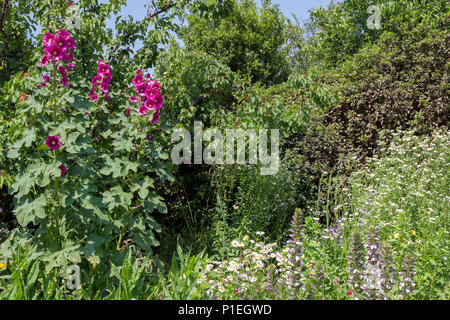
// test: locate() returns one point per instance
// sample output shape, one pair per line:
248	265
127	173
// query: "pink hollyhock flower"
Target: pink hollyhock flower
150	93
142	110
70	67
104	86
63	34
147	75
62	70
150	103
93	95
70	43
128	112
55	52
107	78
133	99
68	55
63	170
141	89
139	72
46	78
155	117
107	99
62	43
159	100
44	61
138	80
43	84
53	142
96	80
103	68
154	85
350	293
49	38
65	81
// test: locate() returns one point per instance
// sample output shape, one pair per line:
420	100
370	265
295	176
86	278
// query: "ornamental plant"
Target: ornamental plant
85	173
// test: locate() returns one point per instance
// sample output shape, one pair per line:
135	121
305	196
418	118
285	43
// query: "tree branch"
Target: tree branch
150	15
2	17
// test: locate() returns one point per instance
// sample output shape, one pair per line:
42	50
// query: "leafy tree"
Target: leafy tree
249	40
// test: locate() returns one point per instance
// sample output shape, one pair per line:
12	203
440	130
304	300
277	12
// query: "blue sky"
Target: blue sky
300	8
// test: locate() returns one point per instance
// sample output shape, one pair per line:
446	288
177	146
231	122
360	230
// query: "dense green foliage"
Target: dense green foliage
358	209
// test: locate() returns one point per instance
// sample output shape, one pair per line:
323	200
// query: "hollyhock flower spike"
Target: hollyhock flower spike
53	143
102	79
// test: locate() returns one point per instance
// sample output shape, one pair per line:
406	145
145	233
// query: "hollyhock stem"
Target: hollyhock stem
58	203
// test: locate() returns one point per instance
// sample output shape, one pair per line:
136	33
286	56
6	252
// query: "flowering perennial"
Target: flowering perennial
101	82
149	98
58	52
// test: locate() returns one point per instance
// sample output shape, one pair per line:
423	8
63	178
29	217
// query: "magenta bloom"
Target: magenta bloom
155	117
62	70
68	55
139	72
62	43
142	110
138	80
141	89
55	52
150	103
154	85
63	170
49	38
159	100
70	67
63	34
103	68
96	81
46	78
104	86
44	61
133	99
150	93
53	142
70	42
128	112
65	81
